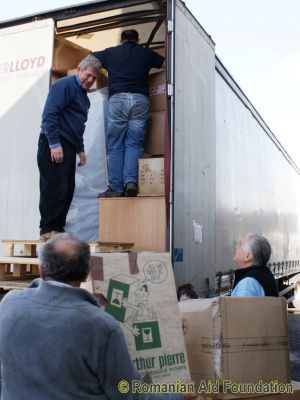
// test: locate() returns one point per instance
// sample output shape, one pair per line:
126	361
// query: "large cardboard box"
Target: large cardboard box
138	220
157	91
237	340
155	137
141	295
67	54
151	177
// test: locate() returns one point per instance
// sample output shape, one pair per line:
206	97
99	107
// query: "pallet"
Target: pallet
30	247
108	247
10	285
18	267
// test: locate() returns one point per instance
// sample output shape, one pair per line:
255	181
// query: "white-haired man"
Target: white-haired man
253	277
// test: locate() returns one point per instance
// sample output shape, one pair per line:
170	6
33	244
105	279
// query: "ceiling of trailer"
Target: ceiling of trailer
101	30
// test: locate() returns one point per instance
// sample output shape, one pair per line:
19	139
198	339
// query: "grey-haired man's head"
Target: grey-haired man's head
65	258
253	250
89	69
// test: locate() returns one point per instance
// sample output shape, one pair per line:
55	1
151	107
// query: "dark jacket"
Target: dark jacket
128	67
262	274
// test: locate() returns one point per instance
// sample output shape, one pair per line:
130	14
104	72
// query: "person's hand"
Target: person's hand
82	159
57	155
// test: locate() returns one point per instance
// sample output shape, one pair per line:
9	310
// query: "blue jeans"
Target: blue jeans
127	118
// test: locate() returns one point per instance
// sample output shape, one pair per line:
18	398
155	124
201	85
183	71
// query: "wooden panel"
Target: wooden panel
141	220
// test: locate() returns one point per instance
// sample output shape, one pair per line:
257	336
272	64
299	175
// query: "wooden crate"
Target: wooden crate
141	220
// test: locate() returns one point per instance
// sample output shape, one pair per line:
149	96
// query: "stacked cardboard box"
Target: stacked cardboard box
234	341
157	91
155	138
151	170
142	220
151	177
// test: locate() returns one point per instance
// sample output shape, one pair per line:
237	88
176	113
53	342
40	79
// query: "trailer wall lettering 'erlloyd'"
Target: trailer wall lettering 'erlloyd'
228	173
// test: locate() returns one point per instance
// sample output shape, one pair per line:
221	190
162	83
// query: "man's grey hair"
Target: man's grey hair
260	249
90	61
65	258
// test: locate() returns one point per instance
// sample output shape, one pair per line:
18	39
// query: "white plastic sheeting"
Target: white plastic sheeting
83	216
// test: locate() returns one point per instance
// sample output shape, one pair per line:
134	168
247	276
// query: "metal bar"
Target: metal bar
107	27
290	299
170	74
286	290
155	45
154	31
115	18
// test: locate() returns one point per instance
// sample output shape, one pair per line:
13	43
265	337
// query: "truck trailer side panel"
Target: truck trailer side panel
25	63
257	185
231	174
194	153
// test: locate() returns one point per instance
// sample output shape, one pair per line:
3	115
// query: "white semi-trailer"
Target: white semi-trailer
226	173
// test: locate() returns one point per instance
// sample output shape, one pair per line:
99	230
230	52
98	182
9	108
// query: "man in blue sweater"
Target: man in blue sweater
128	111
62	128
56	343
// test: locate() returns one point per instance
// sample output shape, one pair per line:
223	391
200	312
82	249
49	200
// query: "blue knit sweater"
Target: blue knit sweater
57	344
65	113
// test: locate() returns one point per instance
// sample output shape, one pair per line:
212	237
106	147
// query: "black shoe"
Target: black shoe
131	189
110	193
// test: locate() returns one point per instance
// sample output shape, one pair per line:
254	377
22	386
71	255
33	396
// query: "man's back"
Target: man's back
54	342
128	65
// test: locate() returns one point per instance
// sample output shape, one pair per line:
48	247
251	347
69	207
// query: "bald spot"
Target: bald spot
66	248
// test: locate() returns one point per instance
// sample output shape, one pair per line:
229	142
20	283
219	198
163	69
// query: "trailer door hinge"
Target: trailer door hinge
170	25
170	89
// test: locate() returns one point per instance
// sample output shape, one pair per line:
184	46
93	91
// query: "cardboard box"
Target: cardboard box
161	51
157	91
67	55
138	220
155	137
141	295
151	177
242	340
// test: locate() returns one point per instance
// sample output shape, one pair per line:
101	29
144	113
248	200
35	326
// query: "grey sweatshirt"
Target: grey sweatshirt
56	343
